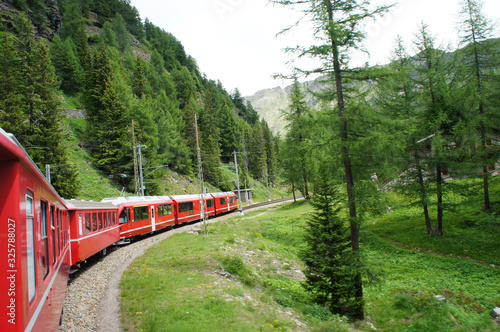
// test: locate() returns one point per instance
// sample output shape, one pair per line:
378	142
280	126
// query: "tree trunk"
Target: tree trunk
423	195
358	312
293	191
439	185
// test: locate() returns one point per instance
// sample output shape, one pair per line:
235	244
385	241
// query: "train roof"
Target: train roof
11	149
227	193
74	204
131	199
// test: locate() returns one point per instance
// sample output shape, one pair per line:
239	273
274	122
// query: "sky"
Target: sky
236	42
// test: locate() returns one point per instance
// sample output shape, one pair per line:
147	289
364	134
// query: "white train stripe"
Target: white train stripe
94	234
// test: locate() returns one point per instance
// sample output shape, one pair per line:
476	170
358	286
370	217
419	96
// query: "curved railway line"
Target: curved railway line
91	302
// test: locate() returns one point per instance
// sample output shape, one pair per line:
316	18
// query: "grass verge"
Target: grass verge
245	276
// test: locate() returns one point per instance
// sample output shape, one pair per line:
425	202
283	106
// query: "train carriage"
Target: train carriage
34	244
93	228
187	208
140	215
224	202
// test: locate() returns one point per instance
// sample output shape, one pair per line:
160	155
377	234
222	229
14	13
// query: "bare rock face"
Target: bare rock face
46	23
54	17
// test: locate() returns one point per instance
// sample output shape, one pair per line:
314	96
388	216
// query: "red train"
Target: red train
43	235
143	215
34	244
93	228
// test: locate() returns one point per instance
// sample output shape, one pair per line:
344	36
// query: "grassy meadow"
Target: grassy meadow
245	276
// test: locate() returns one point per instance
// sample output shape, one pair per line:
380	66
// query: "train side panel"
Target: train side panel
34	249
93	228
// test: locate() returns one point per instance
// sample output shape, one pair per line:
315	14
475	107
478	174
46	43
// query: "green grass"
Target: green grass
181	285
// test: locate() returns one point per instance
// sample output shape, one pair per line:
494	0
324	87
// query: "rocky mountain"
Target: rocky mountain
271	103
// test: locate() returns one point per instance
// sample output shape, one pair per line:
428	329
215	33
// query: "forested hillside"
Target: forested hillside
136	86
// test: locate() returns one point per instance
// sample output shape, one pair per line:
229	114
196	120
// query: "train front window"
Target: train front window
30	248
123	217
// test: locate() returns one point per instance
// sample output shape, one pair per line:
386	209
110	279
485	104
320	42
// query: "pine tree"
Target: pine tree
209	140
108	36
327	254
66	63
139	80
229	131
33	101
122	34
338	30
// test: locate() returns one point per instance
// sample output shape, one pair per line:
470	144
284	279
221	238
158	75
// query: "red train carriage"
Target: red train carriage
224	202
209	205
93	228
34	244
187	208
233	203
140	215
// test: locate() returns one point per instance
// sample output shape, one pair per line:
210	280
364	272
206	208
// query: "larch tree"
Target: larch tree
480	58
337	28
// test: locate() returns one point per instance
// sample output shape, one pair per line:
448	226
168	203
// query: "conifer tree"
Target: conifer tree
33	101
139	79
327	253
439	111
120	29
67	64
209	140
108	36
480	59
338	31
229	131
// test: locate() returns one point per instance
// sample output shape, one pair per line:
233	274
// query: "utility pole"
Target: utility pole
136	171
140	167
200	177
238	180
267	178
47	172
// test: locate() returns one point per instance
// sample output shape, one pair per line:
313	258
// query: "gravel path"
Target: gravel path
91	302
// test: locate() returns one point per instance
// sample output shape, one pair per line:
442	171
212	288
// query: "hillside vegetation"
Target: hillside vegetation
131	84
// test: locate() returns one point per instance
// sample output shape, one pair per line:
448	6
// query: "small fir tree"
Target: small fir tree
328	254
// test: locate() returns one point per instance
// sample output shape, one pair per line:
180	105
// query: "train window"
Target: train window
44	238
114	218
128	215
164	210
53	231
141	213
223	201
100	220
210	203
88	226
94	222
123	217
80	224
232	199
59	234
30	239
186	207
105	219
110	221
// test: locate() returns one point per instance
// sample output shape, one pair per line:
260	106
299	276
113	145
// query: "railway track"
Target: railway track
91	302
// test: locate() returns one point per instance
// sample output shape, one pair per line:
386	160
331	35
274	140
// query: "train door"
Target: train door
153	223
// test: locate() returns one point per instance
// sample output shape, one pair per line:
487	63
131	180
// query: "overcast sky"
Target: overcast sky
235	41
